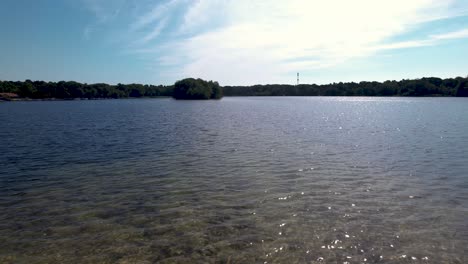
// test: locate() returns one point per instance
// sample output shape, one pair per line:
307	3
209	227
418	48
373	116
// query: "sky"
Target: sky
234	42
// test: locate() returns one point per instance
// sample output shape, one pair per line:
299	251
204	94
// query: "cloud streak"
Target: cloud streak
104	11
245	42
430	41
155	32
157	13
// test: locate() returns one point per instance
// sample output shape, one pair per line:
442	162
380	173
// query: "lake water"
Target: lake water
240	180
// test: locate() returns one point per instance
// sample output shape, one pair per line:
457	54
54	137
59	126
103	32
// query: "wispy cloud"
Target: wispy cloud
205	15
87	32
155	32
431	40
451	35
258	39
244	41
104	11
155	14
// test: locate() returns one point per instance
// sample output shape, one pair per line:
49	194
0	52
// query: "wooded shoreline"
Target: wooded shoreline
70	90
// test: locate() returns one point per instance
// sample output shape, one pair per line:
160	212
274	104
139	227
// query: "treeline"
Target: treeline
431	86
71	90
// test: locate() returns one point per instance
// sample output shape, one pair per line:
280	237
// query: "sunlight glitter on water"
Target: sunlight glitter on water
189	185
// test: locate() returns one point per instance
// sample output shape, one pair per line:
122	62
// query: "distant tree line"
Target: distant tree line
71	90
431	86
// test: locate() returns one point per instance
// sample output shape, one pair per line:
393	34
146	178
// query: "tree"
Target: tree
216	90
199	89
196	89
26	89
462	89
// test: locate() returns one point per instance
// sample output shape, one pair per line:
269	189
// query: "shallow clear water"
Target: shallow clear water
241	180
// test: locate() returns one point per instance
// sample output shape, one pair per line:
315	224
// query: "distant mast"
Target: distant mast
297	79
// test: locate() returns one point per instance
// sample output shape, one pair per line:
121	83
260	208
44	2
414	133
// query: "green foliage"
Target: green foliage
421	87
71	90
462	88
200	89
26	88
197	89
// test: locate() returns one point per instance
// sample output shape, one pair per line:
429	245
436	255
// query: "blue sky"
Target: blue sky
236	42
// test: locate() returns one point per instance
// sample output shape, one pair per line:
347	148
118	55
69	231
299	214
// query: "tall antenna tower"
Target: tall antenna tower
297	79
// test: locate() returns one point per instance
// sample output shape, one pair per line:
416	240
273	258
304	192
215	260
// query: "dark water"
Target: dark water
241	180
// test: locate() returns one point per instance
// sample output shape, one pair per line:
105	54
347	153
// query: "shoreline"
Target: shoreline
22	99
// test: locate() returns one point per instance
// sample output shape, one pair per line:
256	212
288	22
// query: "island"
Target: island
197	89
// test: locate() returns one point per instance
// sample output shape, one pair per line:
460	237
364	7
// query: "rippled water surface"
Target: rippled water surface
241	180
